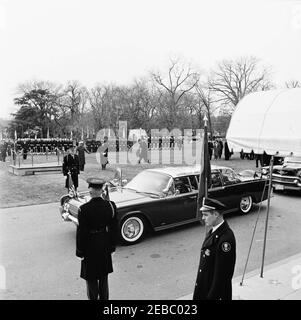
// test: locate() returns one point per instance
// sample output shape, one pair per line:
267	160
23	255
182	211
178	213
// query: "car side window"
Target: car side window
182	185
229	177
216	180
171	188
193	182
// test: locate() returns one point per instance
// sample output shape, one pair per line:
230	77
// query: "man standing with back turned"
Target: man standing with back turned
96	240
218	255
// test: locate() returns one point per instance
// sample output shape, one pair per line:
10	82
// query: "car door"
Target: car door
232	187
217	190
182	204
226	189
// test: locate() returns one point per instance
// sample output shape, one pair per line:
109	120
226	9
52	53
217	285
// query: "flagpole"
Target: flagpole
205	171
205	141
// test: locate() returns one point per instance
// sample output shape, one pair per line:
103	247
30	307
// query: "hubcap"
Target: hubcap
245	203
132	229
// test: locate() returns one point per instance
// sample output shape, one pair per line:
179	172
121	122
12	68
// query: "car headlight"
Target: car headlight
66	206
264	171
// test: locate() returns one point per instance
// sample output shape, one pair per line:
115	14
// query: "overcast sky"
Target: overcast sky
96	41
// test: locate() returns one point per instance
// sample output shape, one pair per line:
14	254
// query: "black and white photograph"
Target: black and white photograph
150	151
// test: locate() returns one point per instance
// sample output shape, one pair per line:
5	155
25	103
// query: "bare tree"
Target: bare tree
293	84
137	101
105	105
232	80
207	102
97	98
74	99
180	80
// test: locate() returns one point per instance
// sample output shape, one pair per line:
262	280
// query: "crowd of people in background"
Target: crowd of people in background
262	159
217	146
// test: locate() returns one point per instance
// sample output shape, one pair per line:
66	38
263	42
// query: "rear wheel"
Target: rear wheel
132	229
245	205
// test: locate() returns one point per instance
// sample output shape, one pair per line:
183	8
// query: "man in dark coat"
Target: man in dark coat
210	149
227	151
4	147
96	240
218	255
103	149
81	149
71	166
220	147
142	152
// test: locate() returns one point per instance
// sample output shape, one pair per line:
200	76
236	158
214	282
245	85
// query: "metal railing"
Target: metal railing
17	158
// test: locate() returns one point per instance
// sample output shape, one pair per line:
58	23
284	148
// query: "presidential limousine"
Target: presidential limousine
164	198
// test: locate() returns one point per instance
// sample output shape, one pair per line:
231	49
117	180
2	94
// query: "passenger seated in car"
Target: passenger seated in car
215	181
181	187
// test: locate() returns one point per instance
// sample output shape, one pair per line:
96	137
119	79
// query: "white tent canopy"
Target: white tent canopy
267	121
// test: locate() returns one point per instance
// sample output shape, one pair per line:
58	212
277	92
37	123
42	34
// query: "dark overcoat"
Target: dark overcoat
96	237
81	154
103	149
71	164
227	151
216	267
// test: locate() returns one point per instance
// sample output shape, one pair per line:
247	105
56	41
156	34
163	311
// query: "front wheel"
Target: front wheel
132	229
245	205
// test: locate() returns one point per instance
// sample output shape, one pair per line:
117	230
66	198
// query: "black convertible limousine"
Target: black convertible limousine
167	197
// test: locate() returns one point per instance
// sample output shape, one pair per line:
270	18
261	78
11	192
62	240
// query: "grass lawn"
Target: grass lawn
46	188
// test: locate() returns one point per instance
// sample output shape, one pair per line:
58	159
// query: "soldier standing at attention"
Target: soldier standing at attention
218	255
96	240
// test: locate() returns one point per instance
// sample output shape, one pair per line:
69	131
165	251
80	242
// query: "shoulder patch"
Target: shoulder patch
226	246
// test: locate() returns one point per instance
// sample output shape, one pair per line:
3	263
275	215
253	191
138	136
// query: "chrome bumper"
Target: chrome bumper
66	216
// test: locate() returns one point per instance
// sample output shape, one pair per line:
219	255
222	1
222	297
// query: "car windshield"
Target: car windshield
149	182
293	161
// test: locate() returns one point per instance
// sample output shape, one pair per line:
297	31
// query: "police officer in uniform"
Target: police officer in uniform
218	255
71	165
96	240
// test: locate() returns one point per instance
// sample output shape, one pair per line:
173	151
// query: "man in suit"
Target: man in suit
142	152
71	166
218	255
96	240
210	149
103	149
81	149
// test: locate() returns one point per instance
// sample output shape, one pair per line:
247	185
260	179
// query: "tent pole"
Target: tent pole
254	229
267	215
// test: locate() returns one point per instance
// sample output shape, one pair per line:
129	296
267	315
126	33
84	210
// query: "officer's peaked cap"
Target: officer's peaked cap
96	182
212	204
